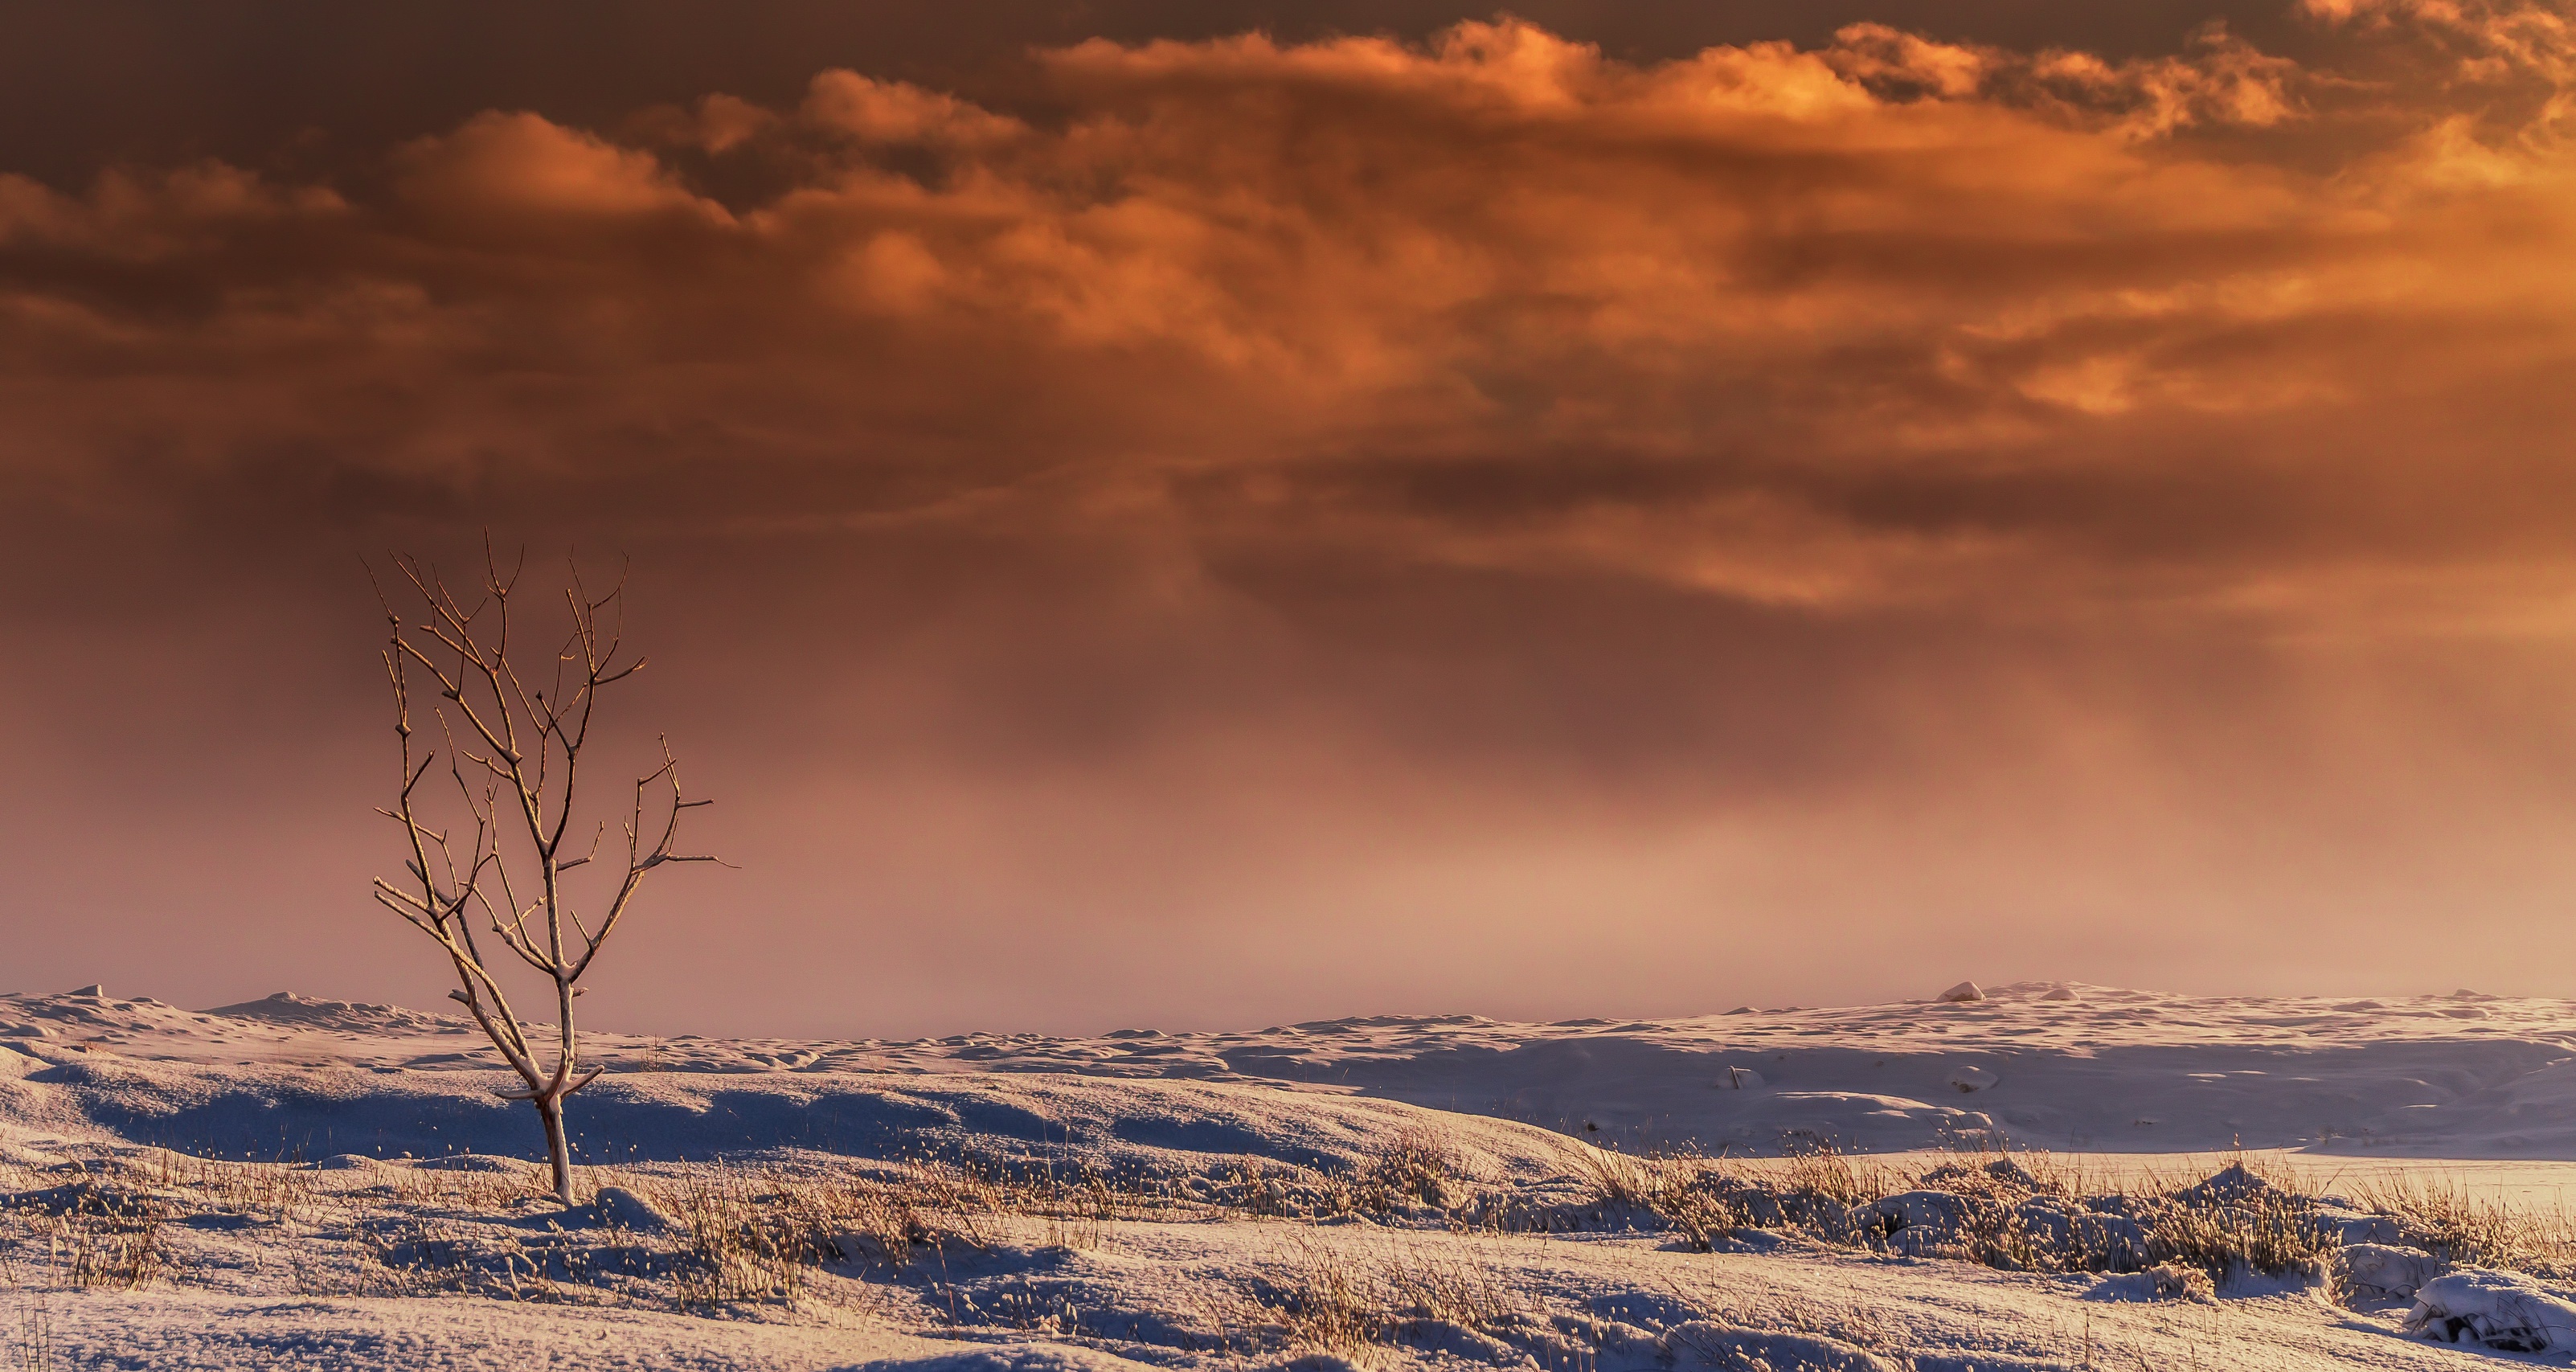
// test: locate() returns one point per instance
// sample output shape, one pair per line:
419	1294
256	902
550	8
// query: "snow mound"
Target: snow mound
454	1121
2165	1282
1021	1357
288	1008
2505	1311
346	1162
2380	1271
1725	1346
619	1208
469	1162
2232	1185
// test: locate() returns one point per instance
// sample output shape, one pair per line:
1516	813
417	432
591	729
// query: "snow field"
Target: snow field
2459	1076
293	1182
1406	1258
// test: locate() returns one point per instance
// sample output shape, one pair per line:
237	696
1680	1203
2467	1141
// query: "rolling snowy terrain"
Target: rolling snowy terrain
2457	1076
1236	1175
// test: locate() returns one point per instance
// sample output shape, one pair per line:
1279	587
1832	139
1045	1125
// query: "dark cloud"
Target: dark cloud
306	82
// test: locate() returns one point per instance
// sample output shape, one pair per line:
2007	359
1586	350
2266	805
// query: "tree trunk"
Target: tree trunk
550	1109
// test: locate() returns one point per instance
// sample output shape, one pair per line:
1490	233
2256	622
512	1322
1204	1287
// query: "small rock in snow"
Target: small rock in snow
1968	1077
2011	1173
863	1247
1935	1217
2388	1272
2164	1282
469	1162
2351	1226
2505	1311
1964	991
1739	1079
2058	993
346	1162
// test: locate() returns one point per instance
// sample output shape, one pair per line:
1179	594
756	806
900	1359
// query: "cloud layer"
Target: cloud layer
1937	489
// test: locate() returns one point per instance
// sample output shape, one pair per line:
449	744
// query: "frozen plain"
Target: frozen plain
2471	1089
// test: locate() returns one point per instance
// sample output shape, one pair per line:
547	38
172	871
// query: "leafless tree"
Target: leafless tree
514	751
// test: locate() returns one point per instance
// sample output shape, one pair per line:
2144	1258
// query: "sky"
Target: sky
1219	514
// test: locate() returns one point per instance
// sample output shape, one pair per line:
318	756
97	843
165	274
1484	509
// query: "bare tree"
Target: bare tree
514	751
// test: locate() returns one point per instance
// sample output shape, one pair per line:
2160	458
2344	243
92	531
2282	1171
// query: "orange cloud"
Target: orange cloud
1887	319
2104	457
1319	283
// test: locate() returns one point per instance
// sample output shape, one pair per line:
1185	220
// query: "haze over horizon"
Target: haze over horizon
1219	515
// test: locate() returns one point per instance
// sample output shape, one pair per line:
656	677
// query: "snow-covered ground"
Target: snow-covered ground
2111	1071
2469	1091
1146	1294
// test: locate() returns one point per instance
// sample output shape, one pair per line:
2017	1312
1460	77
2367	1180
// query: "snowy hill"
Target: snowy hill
2458	1076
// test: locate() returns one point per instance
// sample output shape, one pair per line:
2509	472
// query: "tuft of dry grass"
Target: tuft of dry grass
1322	1302
1420	1165
1830	1175
1353	1302
1419	1174
2227	1241
255	1190
1450	1288
32	1337
2445	1219
2272	1228
93	1232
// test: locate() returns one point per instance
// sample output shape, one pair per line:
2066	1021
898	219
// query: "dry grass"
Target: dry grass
1829	1175
1417	1175
2275	1236
754	1236
747	1238
438	1188
32	1337
1353	1300
90	1232
2271	1230
1419	1166
748	1244
2450	1222
1321	1301
255	1190
1452	1288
